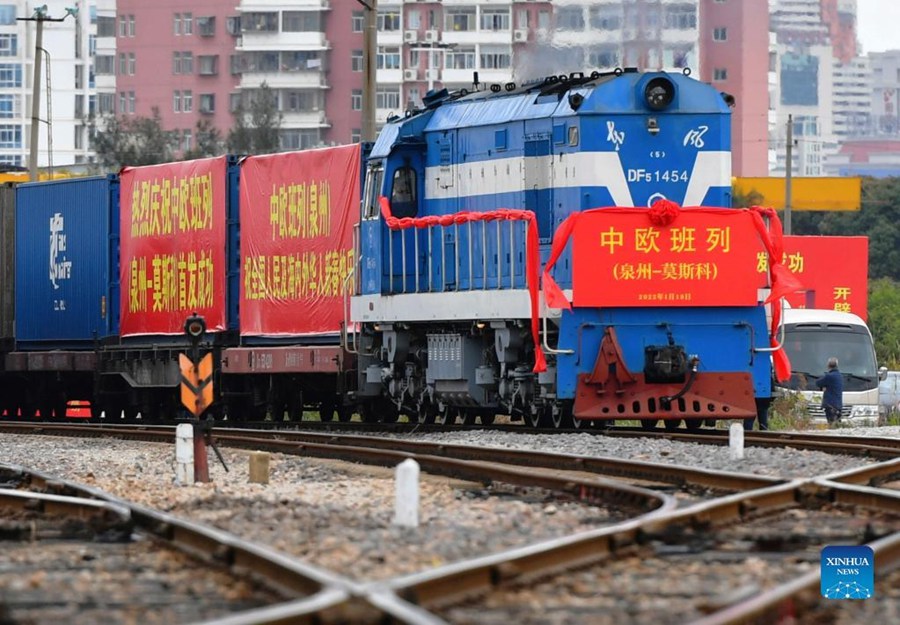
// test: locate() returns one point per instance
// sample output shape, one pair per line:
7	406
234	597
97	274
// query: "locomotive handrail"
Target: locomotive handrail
547	347
345	330
780	343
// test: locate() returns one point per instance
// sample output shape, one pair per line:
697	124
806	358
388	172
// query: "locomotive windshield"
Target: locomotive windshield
371	209
810	348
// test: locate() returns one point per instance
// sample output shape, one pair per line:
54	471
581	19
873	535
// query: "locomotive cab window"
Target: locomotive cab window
371	208
403	193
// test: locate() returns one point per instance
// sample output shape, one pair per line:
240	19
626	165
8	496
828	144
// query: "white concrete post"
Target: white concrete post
406	509
184	454
736	440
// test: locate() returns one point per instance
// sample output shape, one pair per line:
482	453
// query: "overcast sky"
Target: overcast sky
878	25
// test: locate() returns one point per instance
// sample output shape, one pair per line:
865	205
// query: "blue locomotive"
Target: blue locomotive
464	197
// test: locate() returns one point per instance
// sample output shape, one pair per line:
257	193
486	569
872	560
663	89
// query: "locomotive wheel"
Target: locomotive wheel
649	424
468	417
426	412
563	420
446	415
487	418
582	424
538	418
344	414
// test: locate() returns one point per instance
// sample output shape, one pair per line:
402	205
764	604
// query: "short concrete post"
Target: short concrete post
406	508
259	467
184	454
736	440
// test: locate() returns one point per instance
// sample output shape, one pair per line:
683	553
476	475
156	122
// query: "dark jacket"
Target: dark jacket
833	383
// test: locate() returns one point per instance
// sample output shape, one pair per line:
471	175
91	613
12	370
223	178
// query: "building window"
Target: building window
8	45
605	18
131	100
389	20
123	64
106	103
10	75
207	103
7	14
603	57
106	26
260	22
570	18
460	58
355	135
132	63
301	22
9	106
206	26
234	102
131	29
356	60
681	17
387	98
495	58
720	73
357	21
299	101
388	58
720	34
233	25
187	101
413	96
356	100
208	64
10	136
186	140
459	19
494	19
182	62
123	103
105	65
176	101
543	19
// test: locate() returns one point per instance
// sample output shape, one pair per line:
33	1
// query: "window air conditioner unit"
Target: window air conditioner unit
520	34
410	36
431	35
410	74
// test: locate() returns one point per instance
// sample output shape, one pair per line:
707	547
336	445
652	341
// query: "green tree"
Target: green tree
257	122
130	141
884	320
207	141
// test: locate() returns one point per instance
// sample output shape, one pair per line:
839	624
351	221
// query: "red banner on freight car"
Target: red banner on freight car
702	258
172	246
834	272
297	210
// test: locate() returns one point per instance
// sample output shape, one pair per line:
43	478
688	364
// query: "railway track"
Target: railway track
681	519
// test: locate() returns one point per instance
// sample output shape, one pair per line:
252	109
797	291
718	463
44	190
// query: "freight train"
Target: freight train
402	278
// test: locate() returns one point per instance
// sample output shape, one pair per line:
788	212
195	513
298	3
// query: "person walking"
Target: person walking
832	398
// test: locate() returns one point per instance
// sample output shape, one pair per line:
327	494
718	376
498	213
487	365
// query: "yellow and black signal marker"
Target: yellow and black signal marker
196	383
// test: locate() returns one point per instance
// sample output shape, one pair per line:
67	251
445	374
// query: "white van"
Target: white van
810	338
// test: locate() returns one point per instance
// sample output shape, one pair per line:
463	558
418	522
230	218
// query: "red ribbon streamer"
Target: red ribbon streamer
532	257
664	212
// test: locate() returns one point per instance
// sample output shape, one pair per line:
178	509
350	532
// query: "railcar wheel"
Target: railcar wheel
671	424
693	425
649	425
327	410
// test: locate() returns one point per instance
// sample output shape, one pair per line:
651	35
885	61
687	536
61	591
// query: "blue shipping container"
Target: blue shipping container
67	269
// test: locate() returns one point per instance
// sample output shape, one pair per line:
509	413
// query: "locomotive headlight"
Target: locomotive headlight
195	327
659	93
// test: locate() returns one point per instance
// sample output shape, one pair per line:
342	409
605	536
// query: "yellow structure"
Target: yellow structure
807	194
